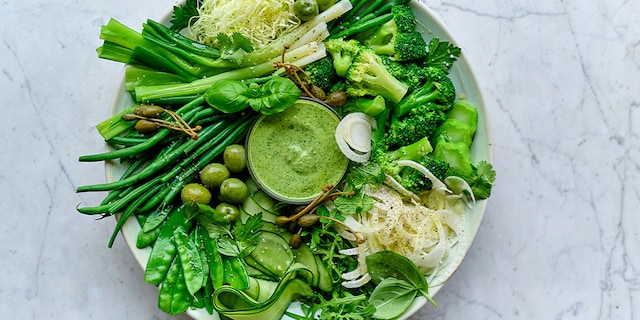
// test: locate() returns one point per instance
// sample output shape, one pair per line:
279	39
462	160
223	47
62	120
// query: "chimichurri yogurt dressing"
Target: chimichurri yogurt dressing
293	154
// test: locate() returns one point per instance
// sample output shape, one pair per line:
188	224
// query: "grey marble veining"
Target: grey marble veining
559	240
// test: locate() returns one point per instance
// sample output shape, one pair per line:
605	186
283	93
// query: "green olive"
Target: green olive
195	193
305	10
228	212
235	158
325	4
213	174
233	190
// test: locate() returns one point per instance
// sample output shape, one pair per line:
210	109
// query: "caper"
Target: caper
337	98
308	220
146	126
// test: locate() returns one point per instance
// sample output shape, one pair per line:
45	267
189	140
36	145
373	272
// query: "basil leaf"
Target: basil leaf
228	96
388	264
277	95
392	297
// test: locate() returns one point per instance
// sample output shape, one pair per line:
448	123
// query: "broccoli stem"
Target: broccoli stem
415	151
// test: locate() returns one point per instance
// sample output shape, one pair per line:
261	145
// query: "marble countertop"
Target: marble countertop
559	240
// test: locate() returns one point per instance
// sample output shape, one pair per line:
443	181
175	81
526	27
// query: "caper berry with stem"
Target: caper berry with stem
145	126
308	220
149	111
295	241
337	98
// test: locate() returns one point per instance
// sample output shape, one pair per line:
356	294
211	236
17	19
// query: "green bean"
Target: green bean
173	297
188	109
164	250
126	141
160	162
230	135
113	194
127	213
190	260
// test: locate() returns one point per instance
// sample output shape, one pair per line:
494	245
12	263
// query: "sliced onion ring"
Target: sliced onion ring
353	136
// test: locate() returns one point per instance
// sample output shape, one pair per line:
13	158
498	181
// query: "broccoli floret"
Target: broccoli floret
372	107
410	178
438	88
399	38
342	52
367	76
420	122
441	54
419	151
339	85
388	159
322	73
410	73
415	181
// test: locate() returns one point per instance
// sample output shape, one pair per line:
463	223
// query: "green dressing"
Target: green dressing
293	154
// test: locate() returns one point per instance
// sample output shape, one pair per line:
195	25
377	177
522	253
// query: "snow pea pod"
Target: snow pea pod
235	274
190	260
214	259
174	296
146	238
164	250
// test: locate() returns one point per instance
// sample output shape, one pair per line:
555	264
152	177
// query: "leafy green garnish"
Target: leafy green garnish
392	297
233	47
398	282
273	96
441	54
352	205
182	14
248	234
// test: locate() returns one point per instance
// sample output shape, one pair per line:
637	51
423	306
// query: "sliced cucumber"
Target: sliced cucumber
272	254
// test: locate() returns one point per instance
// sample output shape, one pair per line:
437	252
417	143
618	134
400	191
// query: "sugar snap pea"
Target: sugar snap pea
190	260
174	297
164	250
